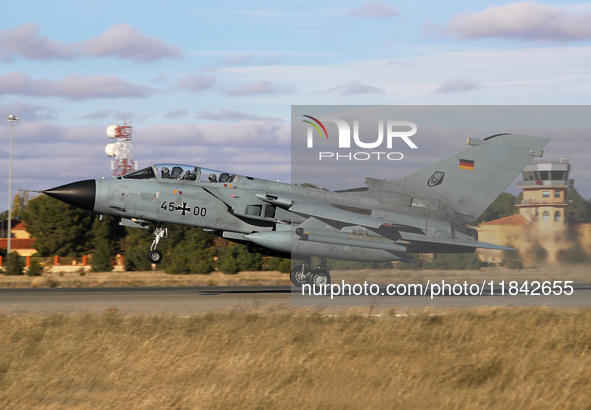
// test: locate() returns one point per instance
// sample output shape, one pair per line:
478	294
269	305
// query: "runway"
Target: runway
148	300
202	299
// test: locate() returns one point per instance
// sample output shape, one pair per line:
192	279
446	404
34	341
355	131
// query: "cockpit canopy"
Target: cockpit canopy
181	173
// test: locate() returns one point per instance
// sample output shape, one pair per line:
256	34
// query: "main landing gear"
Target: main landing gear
161	232
303	273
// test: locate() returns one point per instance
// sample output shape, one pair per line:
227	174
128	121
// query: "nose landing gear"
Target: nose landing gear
161	232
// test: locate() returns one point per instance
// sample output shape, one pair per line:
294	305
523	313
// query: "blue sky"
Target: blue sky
212	83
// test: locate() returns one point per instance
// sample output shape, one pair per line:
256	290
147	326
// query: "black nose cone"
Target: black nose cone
80	194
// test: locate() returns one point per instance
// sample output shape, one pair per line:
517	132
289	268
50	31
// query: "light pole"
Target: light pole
11	119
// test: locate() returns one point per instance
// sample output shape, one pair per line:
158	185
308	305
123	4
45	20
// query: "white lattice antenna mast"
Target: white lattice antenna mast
121	150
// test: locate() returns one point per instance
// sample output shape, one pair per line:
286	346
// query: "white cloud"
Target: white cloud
99	115
548	75
127	42
356	87
73	87
115	115
244	133
452	86
29	112
196	83
26	41
121	40
49	154
526	20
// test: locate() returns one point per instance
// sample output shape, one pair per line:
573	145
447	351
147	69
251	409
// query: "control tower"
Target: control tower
545	184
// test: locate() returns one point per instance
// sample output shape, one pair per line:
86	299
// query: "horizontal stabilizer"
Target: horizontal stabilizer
456	242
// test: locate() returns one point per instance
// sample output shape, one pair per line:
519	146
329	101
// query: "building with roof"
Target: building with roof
20	239
545	185
542	220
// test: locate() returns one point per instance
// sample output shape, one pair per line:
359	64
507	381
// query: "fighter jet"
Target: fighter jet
385	220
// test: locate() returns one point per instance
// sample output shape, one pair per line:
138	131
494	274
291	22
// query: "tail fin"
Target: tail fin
460	188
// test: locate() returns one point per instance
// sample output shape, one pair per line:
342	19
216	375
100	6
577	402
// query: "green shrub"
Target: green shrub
190	250
282	265
227	262
35	269
136	260
235	258
248	262
14	264
573	255
538	252
184	258
511	259
101	258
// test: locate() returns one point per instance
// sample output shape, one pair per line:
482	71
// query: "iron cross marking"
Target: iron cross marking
184	209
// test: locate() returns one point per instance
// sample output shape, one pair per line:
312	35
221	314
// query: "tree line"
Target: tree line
579	208
63	230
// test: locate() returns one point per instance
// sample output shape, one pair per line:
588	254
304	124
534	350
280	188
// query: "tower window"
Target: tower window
546	216
558	175
557	216
545	194
556	194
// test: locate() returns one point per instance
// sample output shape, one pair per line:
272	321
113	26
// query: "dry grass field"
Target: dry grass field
497	358
147	278
576	273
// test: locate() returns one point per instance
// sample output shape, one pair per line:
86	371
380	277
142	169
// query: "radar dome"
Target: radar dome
112	131
111	150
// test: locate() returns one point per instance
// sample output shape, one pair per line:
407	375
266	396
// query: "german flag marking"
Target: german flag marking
466	164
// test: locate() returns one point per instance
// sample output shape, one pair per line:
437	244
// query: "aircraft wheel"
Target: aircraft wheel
154	256
319	277
299	277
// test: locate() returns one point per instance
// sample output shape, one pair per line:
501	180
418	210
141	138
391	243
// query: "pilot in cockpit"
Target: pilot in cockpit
189	175
213	178
165	172
176	172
